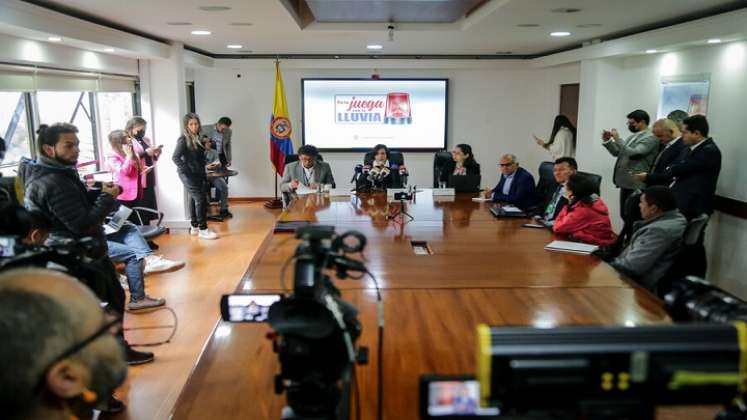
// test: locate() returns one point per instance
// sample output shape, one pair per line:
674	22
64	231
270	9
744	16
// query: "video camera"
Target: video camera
695	300
314	329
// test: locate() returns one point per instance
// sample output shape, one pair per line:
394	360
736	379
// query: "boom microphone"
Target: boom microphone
356	172
403	174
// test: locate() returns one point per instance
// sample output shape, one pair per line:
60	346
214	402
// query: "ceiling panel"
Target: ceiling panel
397	11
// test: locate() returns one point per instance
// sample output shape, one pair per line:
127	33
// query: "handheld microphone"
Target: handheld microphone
403	174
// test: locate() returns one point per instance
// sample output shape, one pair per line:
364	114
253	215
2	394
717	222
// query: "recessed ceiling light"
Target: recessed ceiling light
109	50
374	47
714	41
560	33
527	25
589	25
201	32
235	46
214	8
652	51
565	10
179	23
241	24
54	39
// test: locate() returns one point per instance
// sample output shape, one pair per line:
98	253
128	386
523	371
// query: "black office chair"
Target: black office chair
440	160
686	263
546	184
597	179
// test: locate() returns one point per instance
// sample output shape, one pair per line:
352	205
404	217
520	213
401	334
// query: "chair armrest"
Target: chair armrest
137	211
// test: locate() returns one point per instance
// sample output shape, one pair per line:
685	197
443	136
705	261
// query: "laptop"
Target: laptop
118	219
465	183
507	211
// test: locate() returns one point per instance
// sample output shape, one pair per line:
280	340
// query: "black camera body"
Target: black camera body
315	329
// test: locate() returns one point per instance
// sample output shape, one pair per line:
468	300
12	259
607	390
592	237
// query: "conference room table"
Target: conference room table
480	270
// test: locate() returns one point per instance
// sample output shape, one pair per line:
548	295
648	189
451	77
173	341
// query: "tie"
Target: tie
550	211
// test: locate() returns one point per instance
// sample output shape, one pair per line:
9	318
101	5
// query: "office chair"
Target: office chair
546	184
440	159
688	259
597	179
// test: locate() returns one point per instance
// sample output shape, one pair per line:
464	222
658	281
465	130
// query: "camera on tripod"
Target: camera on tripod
314	329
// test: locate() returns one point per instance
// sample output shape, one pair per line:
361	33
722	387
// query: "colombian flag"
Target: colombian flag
281	144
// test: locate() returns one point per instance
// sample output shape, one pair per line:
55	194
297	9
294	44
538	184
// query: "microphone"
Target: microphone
403	174
356	172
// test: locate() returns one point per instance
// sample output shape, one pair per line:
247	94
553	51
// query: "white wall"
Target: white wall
610	88
495	107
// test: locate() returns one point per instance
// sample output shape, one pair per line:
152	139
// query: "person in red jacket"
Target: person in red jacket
586	218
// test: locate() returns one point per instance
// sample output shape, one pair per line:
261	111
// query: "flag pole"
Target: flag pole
275	203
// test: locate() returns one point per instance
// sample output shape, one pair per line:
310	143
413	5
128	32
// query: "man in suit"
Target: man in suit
562	170
516	185
672	145
635	154
307	171
220	134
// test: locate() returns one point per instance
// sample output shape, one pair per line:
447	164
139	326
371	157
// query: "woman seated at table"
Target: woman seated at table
586	217
382	173
463	163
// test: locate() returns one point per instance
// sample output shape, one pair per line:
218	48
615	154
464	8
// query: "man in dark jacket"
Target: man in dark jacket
670	139
52	187
516	185
563	169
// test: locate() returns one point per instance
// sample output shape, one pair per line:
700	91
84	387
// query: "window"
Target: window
115	108
75	108
14	126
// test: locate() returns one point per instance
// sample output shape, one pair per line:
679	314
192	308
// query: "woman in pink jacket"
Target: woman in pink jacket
586	217
126	168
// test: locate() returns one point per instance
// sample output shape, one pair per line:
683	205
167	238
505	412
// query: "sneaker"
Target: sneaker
111	406
225	214
135	357
207	234
158	264
146	302
123	282
194	231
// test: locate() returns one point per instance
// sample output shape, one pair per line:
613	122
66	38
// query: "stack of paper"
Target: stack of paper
571	247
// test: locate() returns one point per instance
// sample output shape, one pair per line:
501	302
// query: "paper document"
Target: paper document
481	199
304	190
118	220
572	247
339	193
511	209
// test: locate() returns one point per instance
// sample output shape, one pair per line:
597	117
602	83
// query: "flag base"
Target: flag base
275	203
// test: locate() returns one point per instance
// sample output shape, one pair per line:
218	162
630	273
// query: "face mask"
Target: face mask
632	128
140	134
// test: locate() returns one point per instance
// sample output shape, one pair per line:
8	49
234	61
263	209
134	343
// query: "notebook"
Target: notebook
117	220
571	247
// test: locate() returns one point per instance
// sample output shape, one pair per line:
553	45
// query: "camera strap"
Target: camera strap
335	309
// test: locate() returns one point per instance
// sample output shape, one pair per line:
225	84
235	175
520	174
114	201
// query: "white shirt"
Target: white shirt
309	173
562	146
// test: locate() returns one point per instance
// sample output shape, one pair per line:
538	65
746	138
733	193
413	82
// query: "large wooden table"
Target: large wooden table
483	270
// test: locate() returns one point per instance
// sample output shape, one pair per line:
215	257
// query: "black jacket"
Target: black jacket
659	174
472	167
696	174
72	210
190	162
521	194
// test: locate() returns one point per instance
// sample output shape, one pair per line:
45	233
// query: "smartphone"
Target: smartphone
247	307
606	134
452	397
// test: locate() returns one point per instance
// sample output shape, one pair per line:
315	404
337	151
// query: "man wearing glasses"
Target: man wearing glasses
59	353
516	185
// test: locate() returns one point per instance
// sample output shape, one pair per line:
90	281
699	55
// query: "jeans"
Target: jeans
128	246
221	186
197	188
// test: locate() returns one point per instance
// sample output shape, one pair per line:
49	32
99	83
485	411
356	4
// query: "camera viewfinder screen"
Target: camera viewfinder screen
250	308
456	398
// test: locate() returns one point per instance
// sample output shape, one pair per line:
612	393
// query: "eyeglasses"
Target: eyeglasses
107	327
506	164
